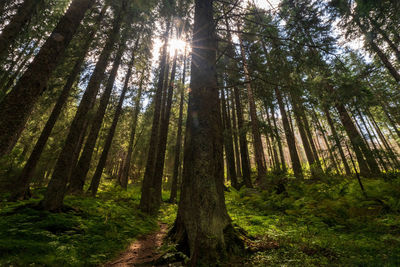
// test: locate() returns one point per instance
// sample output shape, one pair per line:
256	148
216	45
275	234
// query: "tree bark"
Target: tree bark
34	80
203	225
56	189
178	144
94	185
278	138
257	142
147	185
80	171
22	185
162	145
337	141
15	26
290	139
228	142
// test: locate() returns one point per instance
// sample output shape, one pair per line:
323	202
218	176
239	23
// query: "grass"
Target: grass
321	224
91	233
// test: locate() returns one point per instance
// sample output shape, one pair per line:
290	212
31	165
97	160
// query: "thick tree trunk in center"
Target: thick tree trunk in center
203	225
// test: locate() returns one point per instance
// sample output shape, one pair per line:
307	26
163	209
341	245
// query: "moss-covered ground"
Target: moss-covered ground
319	223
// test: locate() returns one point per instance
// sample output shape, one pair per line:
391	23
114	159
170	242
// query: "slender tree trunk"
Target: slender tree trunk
385	60
178	144
257	142
235	134
228	142
32	83
146	195
244	152
278	138
275	152
322	130
337	141
16	24
385	37
94	185
162	145
290	139
56	190
375	151
203	225
80	171
25	177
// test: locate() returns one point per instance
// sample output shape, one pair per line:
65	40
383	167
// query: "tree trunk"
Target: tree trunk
56	189
178	144
290	139
146	195
22	184
203	225
273	137
94	185
162	144
257	142
80	171
278	139
34	80
16	24
337	141
355	139
228	142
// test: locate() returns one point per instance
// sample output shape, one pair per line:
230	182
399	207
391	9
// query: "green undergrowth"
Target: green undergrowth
324	223
91	232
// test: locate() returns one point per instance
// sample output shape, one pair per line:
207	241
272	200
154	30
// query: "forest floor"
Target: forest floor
314	223
144	251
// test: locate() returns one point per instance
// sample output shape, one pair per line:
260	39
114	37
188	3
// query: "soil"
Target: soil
143	252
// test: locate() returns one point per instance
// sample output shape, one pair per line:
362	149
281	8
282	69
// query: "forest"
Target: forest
199	133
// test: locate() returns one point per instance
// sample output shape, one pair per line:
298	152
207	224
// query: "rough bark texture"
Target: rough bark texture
34	80
203	225
294	157
147	185
56	189
18	21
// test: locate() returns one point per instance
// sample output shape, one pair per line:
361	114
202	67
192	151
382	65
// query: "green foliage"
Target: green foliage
324	223
91	232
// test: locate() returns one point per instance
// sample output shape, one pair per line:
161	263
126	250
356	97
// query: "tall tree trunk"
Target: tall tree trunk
337	141
290	139
385	60
244	151
385	37
78	177
375	151
147	185
356	140
273	137
178	144
203	225
22	184
278	138
34	80
16	24
322	130
231	110
162	144
257	142
94	185
228	142
56	189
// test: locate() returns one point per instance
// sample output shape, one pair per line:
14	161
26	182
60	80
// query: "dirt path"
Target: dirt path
143	251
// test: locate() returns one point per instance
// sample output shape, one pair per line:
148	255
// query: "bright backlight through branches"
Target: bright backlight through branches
176	44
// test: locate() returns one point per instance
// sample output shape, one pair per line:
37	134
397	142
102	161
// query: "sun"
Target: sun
176	44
